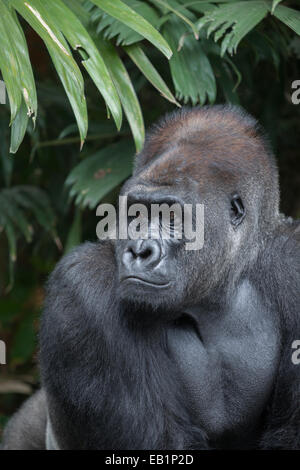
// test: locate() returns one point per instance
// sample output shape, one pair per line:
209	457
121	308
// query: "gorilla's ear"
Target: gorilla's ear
238	211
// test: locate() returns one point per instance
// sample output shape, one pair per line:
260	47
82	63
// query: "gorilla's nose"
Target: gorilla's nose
140	254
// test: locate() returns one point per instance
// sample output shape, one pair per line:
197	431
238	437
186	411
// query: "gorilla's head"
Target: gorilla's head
216	157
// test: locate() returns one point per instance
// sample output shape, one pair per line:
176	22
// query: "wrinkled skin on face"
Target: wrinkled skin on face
149	269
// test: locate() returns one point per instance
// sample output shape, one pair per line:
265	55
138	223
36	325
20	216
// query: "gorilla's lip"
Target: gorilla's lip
141	280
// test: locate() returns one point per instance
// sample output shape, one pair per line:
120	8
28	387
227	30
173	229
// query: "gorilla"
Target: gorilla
147	345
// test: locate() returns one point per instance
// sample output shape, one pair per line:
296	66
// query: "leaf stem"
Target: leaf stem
180	15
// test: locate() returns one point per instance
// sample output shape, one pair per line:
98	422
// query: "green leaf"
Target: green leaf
72	87
74	236
179	11
289	17
199	83
81	10
17	204
25	70
80	39
18	128
235	70
225	80
9	65
12	213
138	56
98	174
274	4
128	16
37	15
198	6
37	202
233	21
19	75
113	28
68	130
126	91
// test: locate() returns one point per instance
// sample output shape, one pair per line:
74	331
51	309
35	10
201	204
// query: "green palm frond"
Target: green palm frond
109	166
198	6
126	92
62	24
233	21
191	70
16	71
289	17
141	60
275	3
21	208
112	28
66	26
121	46
122	12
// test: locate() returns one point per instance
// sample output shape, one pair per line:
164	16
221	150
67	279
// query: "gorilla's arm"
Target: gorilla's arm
282	417
26	430
108	385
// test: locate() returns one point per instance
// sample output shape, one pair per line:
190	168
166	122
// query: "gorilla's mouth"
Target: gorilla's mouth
142	281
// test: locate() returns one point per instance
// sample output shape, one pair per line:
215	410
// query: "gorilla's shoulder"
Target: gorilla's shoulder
288	234
281	258
86	253
286	251
85	258
296	230
291	229
88	268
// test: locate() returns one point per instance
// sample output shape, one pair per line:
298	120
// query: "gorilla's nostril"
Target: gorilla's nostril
133	248
144	251
150	252
132	252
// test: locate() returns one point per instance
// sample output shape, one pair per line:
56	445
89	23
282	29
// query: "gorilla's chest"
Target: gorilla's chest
227	361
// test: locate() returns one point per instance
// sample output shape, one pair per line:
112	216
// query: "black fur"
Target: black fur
205	363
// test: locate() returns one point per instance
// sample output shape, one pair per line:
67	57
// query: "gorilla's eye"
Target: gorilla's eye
237	210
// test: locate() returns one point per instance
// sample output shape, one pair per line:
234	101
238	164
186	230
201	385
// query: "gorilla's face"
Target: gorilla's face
201	156
172	272
150	269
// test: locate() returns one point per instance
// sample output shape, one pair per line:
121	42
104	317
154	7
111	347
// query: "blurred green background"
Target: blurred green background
245	52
